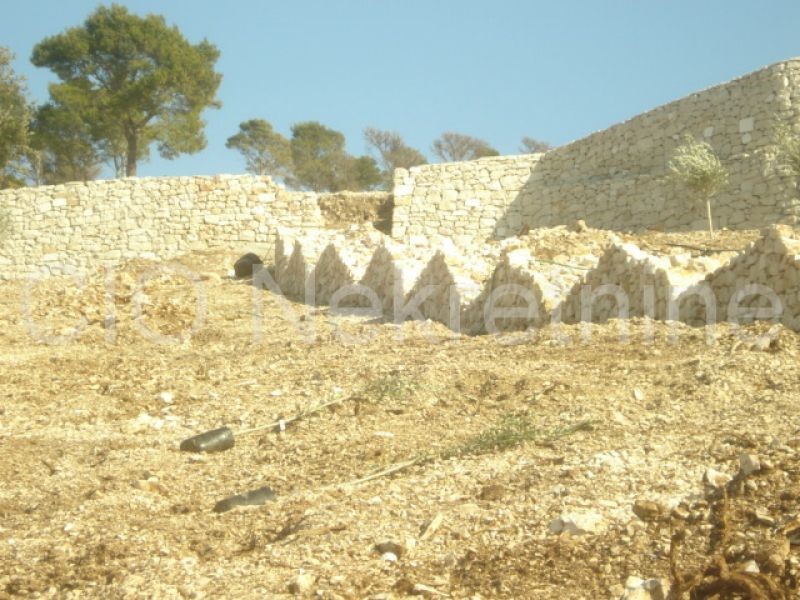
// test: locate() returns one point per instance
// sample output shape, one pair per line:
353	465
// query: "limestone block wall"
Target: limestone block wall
617	178
481	292
764	278
629	282
463	200
53	228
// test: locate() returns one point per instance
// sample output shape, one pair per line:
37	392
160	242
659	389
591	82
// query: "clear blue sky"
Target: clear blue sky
498	70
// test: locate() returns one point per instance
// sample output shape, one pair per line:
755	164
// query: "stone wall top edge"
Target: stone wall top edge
771	68
133	181
365	194
478	162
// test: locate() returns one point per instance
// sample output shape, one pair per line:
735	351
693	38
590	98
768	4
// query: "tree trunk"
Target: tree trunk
708	212
130	159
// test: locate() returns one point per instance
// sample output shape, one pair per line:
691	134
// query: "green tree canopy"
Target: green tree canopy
321	162
14	118
452	147
265	151
61	147
364	174
392	152
133	81
319	157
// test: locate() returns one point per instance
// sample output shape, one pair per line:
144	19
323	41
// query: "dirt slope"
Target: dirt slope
99	502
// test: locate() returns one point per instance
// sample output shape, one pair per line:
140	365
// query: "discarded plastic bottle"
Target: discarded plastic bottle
252	498
216	440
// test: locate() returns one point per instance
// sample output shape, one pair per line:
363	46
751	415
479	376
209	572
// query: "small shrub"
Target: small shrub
393	388
513	430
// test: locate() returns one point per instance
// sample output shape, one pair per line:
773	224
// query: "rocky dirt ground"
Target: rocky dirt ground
566	243
544	467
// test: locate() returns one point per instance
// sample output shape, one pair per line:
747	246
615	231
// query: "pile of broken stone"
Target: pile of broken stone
507	286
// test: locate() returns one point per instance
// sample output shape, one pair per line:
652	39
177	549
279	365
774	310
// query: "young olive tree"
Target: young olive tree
696	165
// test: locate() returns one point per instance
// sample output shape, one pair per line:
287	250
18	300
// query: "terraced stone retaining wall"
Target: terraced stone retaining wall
614	179
53	228
617	178
498	289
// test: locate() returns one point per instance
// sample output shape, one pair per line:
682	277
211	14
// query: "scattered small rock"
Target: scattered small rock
150	484
303	583
648	510
580	226
577	523
762	343
145	422
762	517
637	588
680	513
750	566
748	464
769	342
620	419
792	531
390	548
716	479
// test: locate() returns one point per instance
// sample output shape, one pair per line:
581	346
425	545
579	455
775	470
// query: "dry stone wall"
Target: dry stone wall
617	178
613	179
629	282
762	282
503	289
464	201
76	225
